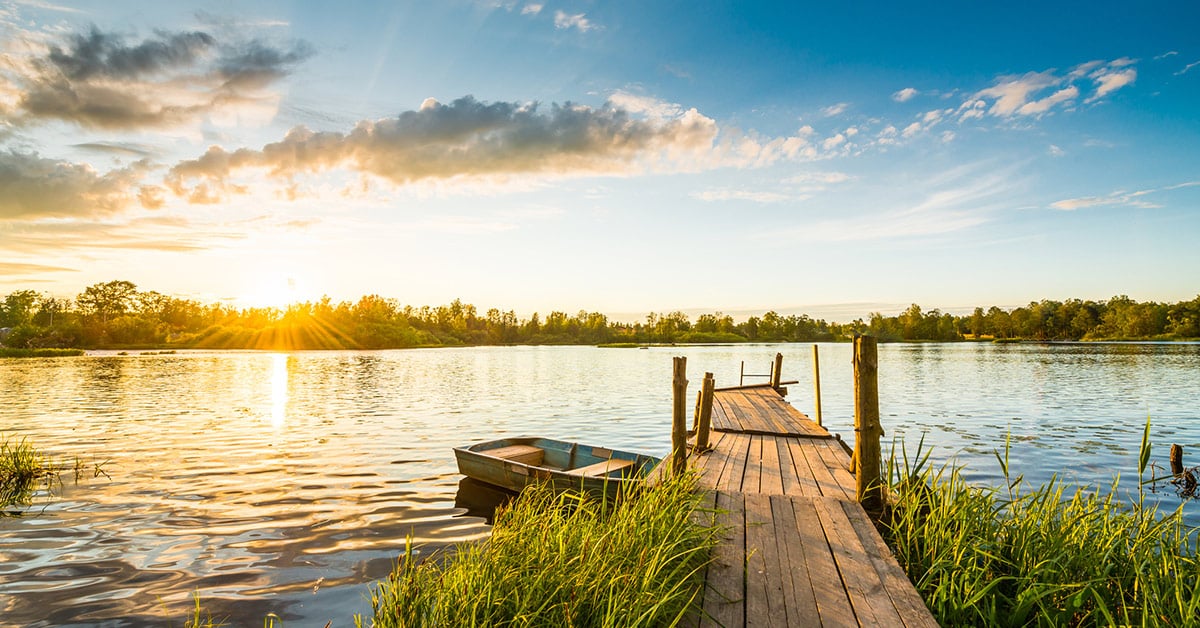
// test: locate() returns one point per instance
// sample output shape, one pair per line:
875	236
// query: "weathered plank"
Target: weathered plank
771	476
908	603
833	603
764	588
725	587
800	604
868	596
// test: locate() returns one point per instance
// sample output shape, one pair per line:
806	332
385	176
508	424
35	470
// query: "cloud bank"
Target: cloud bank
99	80
469	138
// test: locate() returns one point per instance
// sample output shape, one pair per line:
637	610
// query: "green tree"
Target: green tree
18	308
106	300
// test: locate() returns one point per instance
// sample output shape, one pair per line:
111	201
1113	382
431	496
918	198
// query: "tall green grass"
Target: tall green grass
1051	555
563	560
23	470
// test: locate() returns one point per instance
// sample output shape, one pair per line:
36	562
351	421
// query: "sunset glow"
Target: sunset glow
613	157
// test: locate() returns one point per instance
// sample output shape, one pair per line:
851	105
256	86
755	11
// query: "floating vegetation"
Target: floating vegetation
24	471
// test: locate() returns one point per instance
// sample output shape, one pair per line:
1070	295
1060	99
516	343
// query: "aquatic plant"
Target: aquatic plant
1053	555
23	470
562	560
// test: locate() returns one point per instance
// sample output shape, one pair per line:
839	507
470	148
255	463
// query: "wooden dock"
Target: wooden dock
800	550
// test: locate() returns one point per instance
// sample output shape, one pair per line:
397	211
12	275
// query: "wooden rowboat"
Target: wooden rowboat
513	463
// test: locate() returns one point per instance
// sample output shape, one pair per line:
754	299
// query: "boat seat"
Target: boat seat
601	469
525	454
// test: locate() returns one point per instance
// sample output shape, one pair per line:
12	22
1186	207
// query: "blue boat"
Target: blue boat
514	463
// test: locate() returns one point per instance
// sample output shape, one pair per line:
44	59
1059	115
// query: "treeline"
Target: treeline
118	315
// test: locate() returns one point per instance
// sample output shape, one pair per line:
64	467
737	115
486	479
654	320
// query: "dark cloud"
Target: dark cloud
98	80
33	187
100	54
466	138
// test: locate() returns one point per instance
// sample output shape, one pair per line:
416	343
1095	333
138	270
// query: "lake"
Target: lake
287	482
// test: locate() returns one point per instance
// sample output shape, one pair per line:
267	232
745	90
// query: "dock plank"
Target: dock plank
725	586
764	587
796	549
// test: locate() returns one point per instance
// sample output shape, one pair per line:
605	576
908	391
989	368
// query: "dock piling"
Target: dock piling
704	412
679	416
777	371
817	385
1176	460
867	430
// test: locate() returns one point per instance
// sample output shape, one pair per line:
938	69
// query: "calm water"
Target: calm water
286	483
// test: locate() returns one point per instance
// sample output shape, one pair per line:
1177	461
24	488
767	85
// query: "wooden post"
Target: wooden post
679	416
817	383
1176	460
704	417
867	430
777	371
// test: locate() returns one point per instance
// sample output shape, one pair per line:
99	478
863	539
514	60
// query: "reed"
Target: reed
563	560
23	470
1054	555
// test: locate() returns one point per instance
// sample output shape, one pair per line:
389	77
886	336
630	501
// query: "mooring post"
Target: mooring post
704	417
679	416
817	383
777	371
867	430
1176	460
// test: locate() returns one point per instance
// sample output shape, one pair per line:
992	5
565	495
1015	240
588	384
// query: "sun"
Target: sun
277	290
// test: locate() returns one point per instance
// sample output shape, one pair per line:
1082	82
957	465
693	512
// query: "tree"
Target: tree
18	308
107	299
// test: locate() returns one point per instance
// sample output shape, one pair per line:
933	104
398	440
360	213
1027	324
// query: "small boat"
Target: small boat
513	463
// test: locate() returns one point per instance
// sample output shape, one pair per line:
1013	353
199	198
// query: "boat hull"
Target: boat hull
513	464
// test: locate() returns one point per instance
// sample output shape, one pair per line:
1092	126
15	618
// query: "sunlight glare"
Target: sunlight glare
277	290
279	389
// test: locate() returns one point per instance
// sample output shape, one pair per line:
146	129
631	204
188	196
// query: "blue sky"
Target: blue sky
614	157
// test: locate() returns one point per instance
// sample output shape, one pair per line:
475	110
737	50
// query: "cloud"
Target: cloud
1187	67
1055	151
1039	93
834	110
57	237
470	139
99	80
532	8
1119	198
577	21
905	94
744	195
1169	53
8	269
960	199
35	187
819	177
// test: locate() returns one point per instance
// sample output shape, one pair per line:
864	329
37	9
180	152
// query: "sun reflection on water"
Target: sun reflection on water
279	389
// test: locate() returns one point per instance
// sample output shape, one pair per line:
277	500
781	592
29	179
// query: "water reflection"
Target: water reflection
298	519
279	389
480	499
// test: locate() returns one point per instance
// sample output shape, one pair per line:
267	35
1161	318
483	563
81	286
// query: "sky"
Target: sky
623	157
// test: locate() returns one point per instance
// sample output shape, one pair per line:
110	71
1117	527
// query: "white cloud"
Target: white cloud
1039	107
911	130
726	194
1119	198
1108	82
834	110
819	177
1170	53
532	9
1187	67
1040	93
947	137
905	94
831	143
577	21
1055	151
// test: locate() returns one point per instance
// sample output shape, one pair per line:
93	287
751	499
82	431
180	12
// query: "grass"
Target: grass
12	352
23	470
1047	556
562	560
